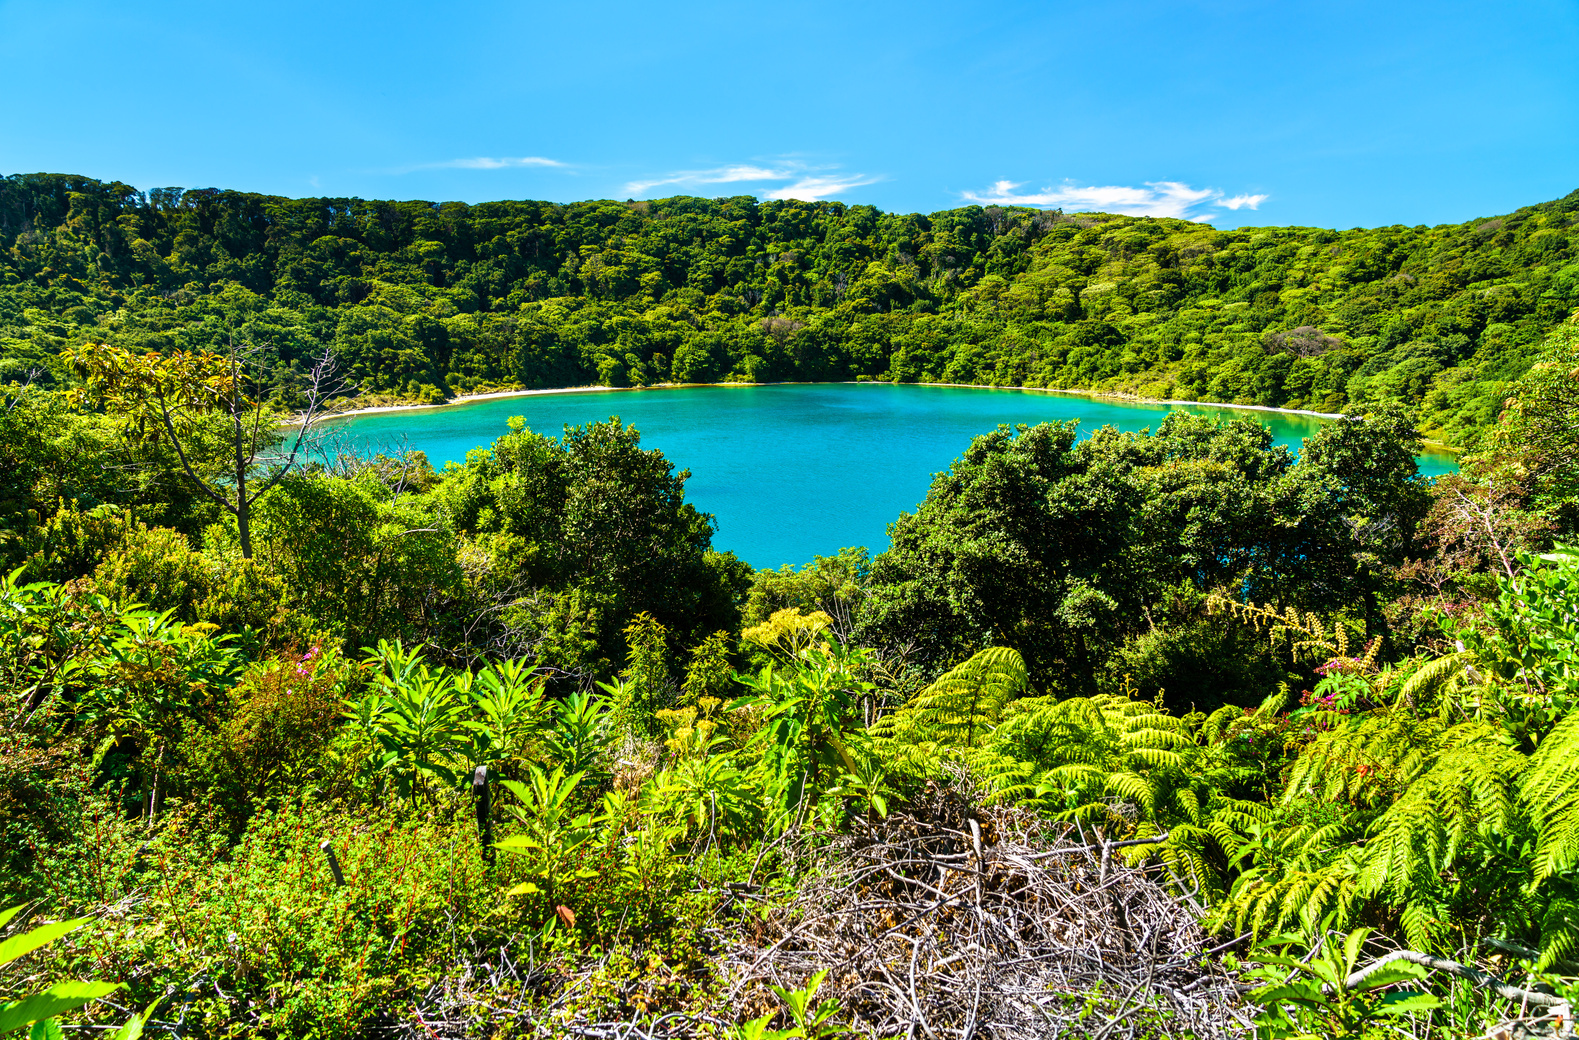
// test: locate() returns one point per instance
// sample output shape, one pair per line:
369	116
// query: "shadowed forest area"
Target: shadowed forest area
1159	734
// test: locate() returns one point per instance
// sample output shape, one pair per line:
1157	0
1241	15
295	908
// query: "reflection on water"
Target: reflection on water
794	470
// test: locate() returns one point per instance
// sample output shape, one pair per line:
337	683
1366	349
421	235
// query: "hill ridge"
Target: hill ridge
426	300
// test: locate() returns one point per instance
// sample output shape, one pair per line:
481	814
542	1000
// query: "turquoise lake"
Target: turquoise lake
791	471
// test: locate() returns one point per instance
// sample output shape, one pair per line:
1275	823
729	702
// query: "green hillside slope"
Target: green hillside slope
424	301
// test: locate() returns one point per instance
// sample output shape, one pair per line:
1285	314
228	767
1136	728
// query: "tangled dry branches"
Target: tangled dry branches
945	925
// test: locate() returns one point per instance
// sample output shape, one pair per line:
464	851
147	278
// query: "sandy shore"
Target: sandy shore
467	399
1095	394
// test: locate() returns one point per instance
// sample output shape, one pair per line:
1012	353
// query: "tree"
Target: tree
178	396
593	511
1064	549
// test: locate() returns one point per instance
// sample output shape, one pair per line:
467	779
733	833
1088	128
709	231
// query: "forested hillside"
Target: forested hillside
422	301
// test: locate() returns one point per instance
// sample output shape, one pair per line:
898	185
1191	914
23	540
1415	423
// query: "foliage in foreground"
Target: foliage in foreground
273	822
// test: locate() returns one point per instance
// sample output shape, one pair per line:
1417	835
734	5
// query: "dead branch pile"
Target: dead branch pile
946	925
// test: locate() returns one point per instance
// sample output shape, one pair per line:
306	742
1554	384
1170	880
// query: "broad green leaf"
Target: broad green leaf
518	841
27	942
525	888
1326	971
59	998
1387	974
1351	947
1296	992
133	1029
1407	1002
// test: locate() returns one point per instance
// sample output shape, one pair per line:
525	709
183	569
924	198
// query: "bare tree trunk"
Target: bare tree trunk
250	436
244	459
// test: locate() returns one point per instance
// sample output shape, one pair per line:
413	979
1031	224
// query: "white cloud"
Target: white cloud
809	183
811	189
1156	199
720	175
484	162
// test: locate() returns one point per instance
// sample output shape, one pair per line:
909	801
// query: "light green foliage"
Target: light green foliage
706	792
808	712
553	831
830	585
154	681
1440	795
269	918
420	721
579	732
363	562
270	736
1040	633
430	726
1536	433
1110	760
510	710
962	708
50	637
1532	641
1384	809
645	686
209	407
709	673
812	1018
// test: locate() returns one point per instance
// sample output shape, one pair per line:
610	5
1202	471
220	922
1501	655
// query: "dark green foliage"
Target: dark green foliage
1068	549
603	525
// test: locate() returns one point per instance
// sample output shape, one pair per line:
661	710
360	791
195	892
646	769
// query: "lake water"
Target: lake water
795	470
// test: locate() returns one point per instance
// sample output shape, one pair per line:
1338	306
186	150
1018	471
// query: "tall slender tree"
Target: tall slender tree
178	395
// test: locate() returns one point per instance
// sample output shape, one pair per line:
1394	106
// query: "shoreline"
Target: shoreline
1429	447
1095	394
490	395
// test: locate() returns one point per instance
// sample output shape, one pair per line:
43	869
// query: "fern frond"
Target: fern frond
1423	925
1549	789
964	705
1156	758
1153	737
1132	788
1559	932
1434	677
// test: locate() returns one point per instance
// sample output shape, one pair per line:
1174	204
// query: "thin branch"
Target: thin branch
1502	989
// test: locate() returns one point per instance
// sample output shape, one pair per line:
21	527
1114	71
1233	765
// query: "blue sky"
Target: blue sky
1333	114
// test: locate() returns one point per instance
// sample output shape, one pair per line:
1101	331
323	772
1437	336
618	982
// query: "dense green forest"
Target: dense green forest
1175	733
422	301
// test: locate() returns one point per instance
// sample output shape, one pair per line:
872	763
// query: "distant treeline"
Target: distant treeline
424	300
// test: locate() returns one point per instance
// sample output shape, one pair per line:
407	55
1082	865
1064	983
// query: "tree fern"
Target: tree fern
1412	801
1549	788
1435	681
961	708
